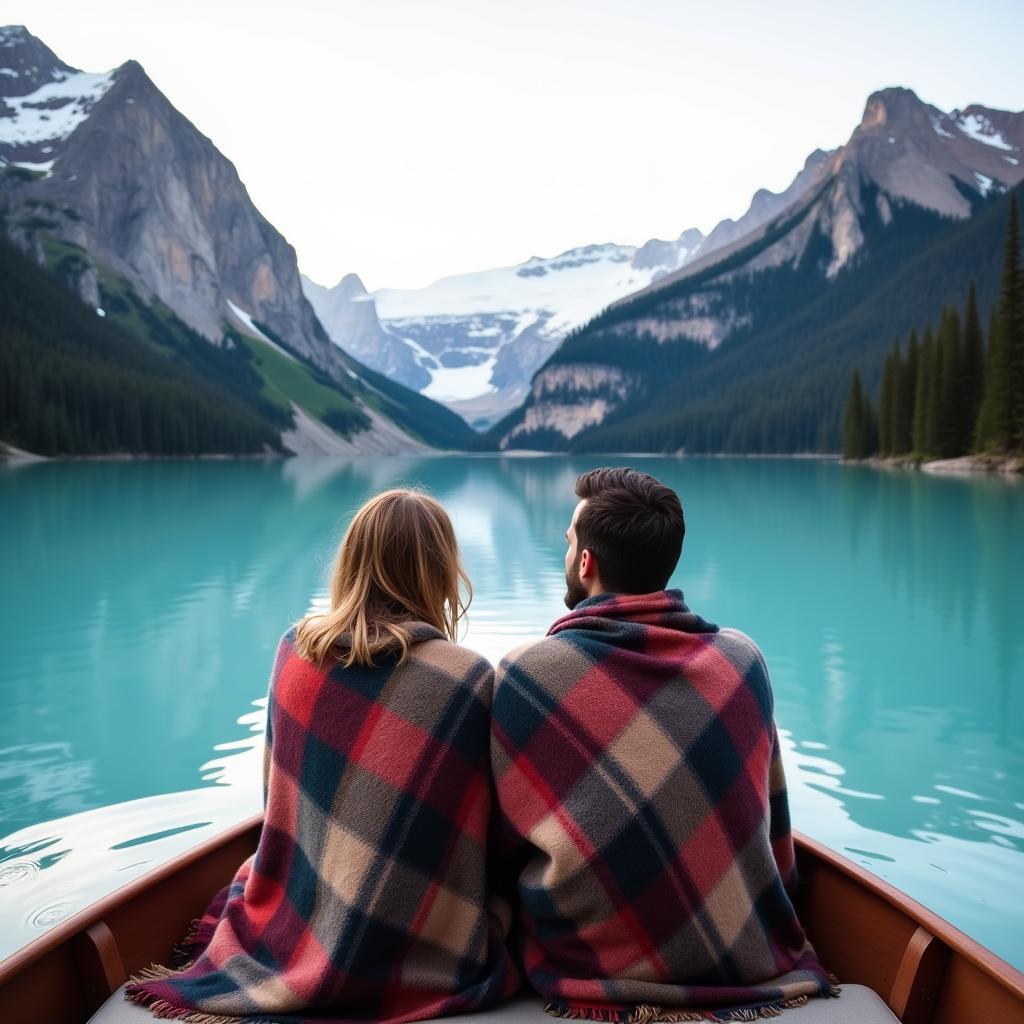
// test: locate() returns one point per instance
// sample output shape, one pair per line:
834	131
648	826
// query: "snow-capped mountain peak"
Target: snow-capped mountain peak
567	284
42	99
26	62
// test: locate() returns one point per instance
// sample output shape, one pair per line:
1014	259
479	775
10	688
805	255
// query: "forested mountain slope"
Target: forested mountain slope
751	349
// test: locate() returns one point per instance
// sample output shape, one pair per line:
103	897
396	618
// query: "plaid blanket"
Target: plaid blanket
644	819
365	897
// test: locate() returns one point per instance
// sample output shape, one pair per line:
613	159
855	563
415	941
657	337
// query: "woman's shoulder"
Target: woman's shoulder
288	659
451	658
286	645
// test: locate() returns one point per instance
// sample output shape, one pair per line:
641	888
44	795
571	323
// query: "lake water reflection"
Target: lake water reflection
142	603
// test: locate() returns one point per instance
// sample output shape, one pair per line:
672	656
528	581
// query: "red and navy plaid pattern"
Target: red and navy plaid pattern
644	818
365	899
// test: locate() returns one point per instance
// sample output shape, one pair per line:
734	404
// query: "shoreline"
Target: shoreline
9	455
961	465
965	465
15	456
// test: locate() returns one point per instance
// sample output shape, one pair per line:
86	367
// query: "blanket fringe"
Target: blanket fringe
154	972
588	1013
181	952
168	1011
645	1013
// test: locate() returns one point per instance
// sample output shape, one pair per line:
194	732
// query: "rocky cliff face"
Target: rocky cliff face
349	314
764	206
912	151
157	203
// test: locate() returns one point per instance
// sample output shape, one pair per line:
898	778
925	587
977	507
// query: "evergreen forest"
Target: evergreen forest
956	389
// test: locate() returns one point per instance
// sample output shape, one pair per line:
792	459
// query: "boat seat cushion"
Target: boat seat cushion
857	1005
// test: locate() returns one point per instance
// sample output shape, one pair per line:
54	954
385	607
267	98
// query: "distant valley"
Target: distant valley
473	341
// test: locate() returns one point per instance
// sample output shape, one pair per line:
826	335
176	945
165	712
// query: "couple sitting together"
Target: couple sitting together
603	821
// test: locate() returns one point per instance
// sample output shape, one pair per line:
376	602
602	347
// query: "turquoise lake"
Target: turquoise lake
142	603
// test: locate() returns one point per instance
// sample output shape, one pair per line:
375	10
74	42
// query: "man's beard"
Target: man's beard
574	589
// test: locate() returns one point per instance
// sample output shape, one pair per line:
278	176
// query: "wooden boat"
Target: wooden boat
866	931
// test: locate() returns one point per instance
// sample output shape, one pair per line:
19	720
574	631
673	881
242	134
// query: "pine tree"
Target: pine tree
860	423
931	394
923	394
1001	420
949	405
973	361
985	427
1011	303
853	420
869	432
887	399
904	427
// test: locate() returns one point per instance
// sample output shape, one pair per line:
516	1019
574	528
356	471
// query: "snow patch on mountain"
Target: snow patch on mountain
980	129
452	383
480	336
985	183
246	320
937	120
567	289
45	169
53	111
11	35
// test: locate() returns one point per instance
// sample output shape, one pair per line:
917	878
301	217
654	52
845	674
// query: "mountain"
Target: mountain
764	205
104	182
686	362
474	341
350	316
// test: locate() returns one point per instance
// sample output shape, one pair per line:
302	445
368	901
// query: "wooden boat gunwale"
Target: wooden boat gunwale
914	959
959	942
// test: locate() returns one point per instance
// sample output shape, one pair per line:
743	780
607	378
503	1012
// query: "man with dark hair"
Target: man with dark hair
631	526
643	828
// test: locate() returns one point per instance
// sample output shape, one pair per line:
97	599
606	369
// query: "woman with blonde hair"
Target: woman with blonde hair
365	899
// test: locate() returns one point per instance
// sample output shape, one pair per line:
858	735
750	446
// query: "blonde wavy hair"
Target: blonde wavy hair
398	562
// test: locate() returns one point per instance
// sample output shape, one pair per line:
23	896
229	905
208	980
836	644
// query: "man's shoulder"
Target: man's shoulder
735	642
746	658
535	651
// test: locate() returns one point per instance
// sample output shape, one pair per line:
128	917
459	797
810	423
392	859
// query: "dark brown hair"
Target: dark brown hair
633	525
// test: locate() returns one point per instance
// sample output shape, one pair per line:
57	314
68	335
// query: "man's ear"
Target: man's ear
587	564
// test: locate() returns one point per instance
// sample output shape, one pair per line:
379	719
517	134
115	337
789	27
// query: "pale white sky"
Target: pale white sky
408	140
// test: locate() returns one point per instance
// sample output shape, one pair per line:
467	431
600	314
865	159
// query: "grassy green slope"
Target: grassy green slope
287	380
421	417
